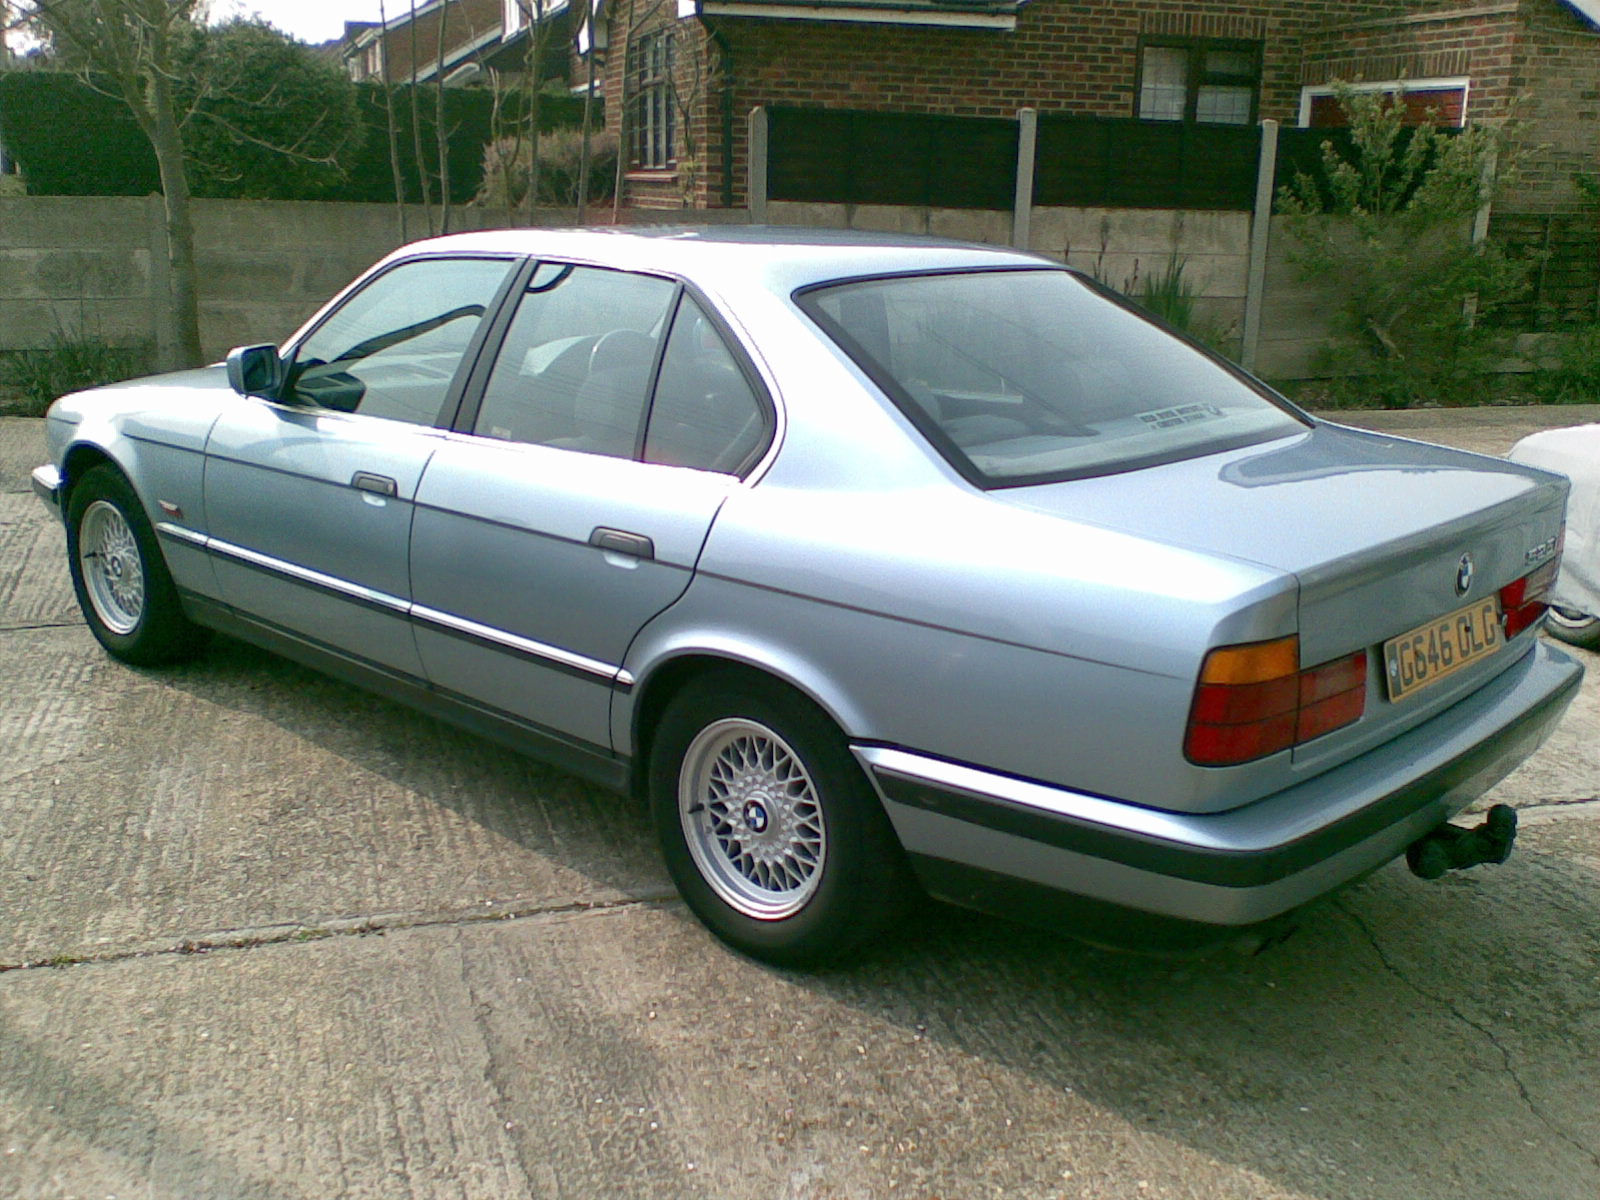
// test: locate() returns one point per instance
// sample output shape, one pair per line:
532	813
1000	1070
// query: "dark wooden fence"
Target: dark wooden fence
1563	253
844	156
1104	162
841	156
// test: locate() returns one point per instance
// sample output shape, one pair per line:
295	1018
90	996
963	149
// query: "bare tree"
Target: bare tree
127	48
533	69
440	133
389	121
416	126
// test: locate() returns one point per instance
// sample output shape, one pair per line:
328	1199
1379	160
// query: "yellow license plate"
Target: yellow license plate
1443	646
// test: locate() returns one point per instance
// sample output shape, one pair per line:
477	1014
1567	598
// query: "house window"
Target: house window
654	119
1421	102
1217	82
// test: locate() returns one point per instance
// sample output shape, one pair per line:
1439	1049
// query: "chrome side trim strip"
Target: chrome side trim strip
500	639
526	647
277	566
179	534
1057	801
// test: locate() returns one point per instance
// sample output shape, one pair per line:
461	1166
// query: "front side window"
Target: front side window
1025	376
393	349
1204	80
654	115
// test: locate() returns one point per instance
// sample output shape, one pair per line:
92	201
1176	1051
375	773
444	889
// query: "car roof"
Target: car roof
783	259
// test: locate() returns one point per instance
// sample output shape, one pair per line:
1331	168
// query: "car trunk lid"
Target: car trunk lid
1380	534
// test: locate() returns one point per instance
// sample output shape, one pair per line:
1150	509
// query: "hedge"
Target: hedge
71	140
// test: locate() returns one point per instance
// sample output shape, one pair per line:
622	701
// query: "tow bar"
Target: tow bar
1451	848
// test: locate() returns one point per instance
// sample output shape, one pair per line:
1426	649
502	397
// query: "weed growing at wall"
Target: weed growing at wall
31	379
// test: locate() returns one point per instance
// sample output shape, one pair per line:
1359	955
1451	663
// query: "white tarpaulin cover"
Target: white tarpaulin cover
1575	453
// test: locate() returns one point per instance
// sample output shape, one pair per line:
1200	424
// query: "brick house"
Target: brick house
478	36
686	77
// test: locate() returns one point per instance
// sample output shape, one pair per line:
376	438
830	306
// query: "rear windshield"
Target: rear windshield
1027	376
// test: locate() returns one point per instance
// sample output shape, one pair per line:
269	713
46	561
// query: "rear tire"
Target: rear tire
1574	627
122	582
773	835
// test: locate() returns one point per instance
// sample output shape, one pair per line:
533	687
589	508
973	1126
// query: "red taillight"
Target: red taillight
1253	700
1522	601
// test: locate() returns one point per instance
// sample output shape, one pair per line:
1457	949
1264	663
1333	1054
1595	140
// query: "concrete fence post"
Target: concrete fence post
1480	224
1027	152
1260	230
758	165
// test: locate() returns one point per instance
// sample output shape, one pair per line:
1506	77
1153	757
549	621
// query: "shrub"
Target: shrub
33	378
506	168
1386	227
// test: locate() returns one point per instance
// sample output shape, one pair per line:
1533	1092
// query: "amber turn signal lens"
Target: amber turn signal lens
1255	662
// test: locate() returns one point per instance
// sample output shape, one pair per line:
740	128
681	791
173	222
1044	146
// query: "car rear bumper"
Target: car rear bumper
46	482
977	838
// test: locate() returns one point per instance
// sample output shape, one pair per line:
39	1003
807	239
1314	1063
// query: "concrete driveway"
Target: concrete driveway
266	936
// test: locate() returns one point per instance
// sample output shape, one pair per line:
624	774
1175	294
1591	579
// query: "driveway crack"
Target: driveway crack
316	931
1486	1031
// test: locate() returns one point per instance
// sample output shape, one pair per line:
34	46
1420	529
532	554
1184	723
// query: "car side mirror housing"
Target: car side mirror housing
255	370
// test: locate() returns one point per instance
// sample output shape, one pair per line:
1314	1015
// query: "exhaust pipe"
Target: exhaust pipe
1451	848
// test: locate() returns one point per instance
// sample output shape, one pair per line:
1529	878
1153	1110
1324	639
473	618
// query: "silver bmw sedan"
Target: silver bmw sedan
879	565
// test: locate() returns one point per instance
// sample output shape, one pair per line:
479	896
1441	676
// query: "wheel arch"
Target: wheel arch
81	458
669	675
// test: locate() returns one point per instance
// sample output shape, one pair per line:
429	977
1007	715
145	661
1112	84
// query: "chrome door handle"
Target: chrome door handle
381	485
621	541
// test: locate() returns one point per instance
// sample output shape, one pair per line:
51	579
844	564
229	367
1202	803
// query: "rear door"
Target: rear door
309	499
572	503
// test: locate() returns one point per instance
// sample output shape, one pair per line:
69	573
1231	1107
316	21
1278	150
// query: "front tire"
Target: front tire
770	830
1574	627
123	586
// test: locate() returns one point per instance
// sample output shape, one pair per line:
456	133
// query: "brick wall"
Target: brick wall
1062	57
1474	40
1556	75
1535	63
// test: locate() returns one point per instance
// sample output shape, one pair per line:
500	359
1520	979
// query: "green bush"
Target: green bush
1574	376
31	379
1385	225
73	141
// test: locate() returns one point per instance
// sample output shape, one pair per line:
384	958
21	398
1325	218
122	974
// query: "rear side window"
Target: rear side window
608	362
1028	376
705	413
576	365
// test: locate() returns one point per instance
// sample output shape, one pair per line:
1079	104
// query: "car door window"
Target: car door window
705	413
393	348
576	365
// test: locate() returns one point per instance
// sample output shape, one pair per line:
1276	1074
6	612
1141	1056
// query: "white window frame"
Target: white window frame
1395	87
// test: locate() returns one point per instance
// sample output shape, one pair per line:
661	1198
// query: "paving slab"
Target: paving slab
263	935
1418	1042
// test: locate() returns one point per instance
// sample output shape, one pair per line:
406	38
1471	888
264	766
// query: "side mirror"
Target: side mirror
255	371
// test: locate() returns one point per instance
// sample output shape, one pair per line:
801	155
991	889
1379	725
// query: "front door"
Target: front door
309	499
